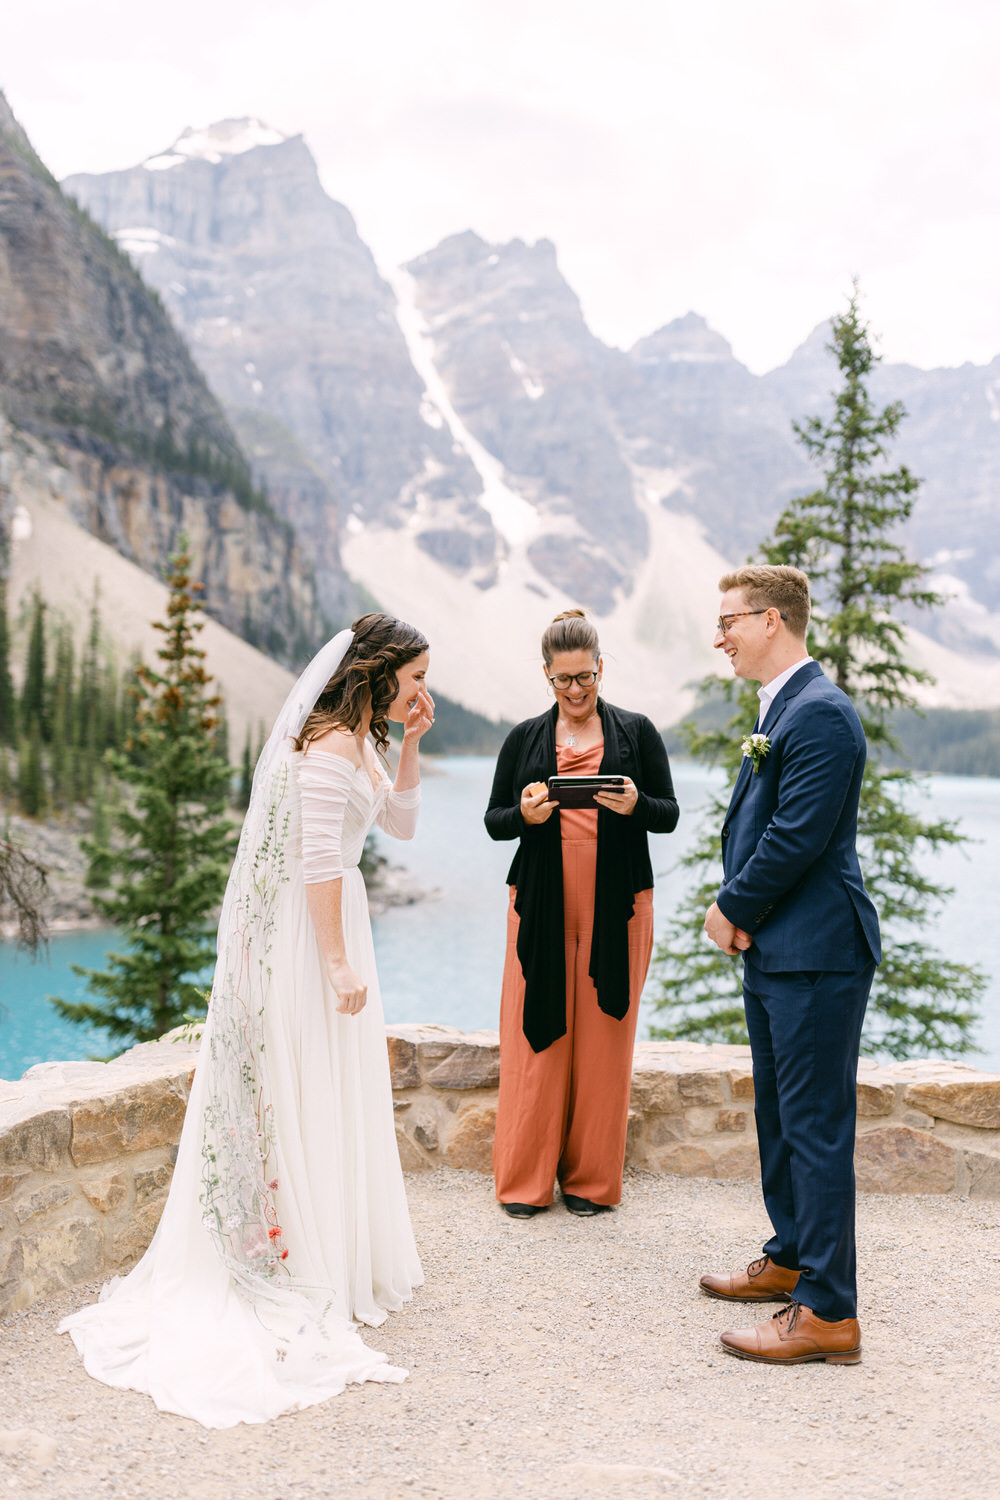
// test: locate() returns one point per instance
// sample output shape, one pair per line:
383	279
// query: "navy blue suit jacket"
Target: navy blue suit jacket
789	842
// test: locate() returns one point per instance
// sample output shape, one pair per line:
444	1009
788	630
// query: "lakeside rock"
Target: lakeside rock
68	905
395	886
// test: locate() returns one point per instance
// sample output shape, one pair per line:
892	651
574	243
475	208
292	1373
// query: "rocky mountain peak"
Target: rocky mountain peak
214	142
465	265
804	382
490	458
288	315
684	339
103	404
524	374
815	346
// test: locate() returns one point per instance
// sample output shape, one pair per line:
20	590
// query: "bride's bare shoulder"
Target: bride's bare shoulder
336	741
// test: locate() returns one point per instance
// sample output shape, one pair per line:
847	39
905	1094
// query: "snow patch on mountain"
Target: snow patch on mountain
224	138
532	388
656	643
141	241
514	518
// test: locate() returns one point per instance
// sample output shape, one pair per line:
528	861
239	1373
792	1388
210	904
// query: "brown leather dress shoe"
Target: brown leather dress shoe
794	1336
762	1281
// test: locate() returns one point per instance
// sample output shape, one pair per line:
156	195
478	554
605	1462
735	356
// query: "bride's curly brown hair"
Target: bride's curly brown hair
367	675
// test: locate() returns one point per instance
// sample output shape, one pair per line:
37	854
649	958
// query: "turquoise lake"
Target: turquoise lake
441	959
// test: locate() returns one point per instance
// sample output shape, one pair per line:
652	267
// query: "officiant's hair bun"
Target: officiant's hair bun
570	631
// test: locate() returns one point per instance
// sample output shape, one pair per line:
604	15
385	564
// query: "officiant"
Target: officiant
579	931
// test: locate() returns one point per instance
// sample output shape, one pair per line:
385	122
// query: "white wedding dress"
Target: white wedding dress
287	1217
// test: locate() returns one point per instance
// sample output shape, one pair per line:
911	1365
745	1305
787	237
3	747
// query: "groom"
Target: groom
793	902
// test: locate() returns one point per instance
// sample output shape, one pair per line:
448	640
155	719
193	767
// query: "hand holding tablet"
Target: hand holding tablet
580	791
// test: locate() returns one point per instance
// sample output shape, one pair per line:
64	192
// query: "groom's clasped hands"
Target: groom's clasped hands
724	934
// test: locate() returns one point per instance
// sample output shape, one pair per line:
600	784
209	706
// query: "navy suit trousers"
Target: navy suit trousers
805	1033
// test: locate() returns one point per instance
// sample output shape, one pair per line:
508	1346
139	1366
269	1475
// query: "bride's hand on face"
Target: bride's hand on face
420	715
352	995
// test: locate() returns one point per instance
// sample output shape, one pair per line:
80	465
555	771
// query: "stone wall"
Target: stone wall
86	1157
87	1149
923	1127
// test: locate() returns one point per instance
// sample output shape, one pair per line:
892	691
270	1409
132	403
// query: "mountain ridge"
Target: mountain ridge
491	461
102	404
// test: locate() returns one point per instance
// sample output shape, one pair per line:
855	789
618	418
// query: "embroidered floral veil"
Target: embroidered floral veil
238	1180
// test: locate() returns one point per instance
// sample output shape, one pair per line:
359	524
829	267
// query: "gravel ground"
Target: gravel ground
570	1358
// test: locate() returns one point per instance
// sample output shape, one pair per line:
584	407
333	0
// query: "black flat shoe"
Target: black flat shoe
523	1210
583	1208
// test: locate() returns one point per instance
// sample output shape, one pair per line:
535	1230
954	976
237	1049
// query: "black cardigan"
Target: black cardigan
632	747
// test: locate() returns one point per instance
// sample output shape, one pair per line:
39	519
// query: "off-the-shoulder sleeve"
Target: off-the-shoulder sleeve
324	785
398	813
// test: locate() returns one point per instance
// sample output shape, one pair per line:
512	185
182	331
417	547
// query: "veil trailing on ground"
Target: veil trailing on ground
238	1174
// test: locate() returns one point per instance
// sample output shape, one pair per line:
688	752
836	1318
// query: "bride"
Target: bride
287	1221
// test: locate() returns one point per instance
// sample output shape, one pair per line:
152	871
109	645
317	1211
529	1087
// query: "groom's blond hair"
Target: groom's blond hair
779	587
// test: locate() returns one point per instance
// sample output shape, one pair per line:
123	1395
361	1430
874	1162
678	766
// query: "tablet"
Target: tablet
578	791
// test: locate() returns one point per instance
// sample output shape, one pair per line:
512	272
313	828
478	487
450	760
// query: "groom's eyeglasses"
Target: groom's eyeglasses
563	680
726	621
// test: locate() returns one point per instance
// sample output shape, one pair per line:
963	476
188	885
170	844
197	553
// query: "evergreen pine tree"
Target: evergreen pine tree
33	692
8	701
100	869
862	583
87	737
245	783
61	713
31	789
165	876
109	728
700	988
127	700
221	736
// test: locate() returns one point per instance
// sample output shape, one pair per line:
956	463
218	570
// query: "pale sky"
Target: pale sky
742	158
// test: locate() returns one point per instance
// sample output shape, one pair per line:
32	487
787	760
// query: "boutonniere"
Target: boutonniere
754	748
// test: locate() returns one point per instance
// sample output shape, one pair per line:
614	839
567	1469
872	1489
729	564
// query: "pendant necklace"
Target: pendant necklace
572	740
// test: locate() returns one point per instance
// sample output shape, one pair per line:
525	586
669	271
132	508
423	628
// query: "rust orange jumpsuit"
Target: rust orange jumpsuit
563	1112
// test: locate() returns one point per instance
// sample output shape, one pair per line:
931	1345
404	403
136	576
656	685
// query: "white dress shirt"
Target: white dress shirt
768	693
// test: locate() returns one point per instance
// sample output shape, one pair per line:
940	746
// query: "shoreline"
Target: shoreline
396	886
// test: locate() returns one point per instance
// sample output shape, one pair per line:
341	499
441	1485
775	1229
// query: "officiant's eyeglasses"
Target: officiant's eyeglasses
726	621
563	680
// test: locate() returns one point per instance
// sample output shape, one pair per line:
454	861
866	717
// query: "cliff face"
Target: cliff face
95	379
524	374
703	433
286	313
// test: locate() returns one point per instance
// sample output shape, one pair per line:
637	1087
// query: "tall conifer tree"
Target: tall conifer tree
245	783
88	740
862	583
222	730
32	793
164	880
8	702
61	753
33	691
